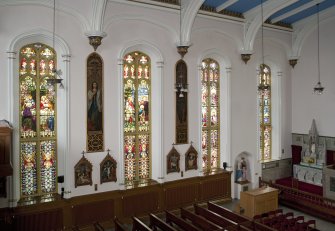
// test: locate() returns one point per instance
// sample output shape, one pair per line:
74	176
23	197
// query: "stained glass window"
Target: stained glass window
210	114
137	120
38	158
264	102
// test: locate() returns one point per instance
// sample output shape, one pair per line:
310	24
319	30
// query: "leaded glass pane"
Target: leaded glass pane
137	125
264	102
210	113
48	166
144	161
129	106
129	158
28	168
28	107
47	110
37	121
143	112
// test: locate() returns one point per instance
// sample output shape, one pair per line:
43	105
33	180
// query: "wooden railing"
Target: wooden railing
307	202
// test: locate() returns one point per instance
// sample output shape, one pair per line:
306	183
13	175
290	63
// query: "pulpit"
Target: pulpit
259	201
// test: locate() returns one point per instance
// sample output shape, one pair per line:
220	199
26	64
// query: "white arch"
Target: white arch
225	102
255	20
122	18
65	9
306	27
235	39
157	91
63	99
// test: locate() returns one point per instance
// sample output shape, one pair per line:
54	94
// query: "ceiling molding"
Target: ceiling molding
296	10
225	5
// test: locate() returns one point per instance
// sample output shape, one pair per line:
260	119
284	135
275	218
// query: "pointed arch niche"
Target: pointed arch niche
225	109
157	163
63	57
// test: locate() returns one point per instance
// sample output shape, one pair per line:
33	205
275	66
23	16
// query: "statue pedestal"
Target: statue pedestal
241	186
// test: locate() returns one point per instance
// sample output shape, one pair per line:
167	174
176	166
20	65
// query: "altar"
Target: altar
310	169
311	174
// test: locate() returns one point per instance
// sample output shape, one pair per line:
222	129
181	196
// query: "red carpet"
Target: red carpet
311	188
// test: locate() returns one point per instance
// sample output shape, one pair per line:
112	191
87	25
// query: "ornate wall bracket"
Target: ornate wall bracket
95	41
293	62
182	50
245	57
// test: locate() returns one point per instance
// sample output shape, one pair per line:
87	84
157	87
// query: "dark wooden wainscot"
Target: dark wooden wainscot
84	211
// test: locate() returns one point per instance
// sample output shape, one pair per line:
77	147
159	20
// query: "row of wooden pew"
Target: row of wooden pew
285	221
212	218
208	218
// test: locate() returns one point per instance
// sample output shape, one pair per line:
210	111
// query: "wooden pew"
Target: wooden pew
199	221
157	222
213	217
226	213
171	218
98	227
138	225
118	225
258	226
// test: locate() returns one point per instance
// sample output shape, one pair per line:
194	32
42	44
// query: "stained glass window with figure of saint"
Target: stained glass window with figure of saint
137	117
264	105
210	114
37	113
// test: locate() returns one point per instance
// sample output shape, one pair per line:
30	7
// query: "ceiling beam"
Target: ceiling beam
225	5
296	10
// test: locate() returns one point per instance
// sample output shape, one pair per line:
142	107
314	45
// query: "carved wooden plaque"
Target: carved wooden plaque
108	169
191	158
83	172
172	162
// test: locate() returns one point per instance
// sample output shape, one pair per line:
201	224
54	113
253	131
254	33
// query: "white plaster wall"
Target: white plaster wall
307	106
125	24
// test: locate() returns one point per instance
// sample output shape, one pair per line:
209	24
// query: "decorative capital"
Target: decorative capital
245	57
293	62
182	50
95	41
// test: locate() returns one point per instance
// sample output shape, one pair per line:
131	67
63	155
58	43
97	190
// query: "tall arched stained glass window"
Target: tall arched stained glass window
137	116
210	114
38	137
264	102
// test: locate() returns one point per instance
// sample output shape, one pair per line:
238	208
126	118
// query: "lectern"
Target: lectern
258	201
